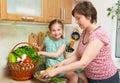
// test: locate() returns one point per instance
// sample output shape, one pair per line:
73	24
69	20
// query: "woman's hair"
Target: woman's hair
87	9
54	22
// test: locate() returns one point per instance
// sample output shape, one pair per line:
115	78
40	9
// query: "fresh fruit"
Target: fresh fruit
40	74
11	57
42	71
49	68
27	60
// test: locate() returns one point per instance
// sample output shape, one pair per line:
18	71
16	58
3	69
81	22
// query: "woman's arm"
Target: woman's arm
74	57
71	59
89	54
54	54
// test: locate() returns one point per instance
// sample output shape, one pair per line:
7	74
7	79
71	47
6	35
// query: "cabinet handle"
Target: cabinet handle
64	14
27	18
61	14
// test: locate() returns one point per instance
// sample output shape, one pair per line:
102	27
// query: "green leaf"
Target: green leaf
113	16
29	51
108	14
109	9
114	10
57	80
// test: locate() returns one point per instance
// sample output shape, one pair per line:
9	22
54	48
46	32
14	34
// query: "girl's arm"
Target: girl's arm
39	48
54	54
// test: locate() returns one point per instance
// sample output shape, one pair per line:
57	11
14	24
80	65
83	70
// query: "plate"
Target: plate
37	74
75	35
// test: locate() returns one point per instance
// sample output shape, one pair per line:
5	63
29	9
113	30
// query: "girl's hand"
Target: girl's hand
41	53
36	46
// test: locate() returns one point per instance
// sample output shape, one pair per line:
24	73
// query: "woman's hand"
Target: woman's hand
58	65
49	74
53	71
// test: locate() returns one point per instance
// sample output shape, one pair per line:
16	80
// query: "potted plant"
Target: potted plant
114	10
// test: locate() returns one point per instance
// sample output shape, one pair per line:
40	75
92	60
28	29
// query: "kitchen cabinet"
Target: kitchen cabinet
66	5
53	10
60	9
23	10
36	10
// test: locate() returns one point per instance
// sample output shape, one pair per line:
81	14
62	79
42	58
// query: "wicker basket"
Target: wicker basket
22	71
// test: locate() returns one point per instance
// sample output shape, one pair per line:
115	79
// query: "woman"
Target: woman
93	53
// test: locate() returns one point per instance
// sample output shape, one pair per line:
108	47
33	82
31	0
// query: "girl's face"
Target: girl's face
56	31
82	21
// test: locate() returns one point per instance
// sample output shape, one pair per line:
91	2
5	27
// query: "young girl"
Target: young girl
55	46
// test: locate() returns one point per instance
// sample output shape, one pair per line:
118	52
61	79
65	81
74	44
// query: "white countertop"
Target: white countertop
10	80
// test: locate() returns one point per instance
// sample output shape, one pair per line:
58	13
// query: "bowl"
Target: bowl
37	75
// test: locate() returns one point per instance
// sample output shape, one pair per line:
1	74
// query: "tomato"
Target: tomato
27	60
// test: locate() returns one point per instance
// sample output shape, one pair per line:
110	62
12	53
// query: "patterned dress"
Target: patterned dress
102	67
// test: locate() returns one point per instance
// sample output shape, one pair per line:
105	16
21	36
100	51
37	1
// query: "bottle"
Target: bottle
70	47
72	42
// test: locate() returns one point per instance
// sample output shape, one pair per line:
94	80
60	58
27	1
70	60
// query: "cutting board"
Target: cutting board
40	38
32	39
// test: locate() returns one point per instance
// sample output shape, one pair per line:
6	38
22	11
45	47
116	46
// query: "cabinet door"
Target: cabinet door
23	10
59	9
66	9
53	10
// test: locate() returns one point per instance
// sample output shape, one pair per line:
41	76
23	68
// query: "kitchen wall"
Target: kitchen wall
12	33
109	24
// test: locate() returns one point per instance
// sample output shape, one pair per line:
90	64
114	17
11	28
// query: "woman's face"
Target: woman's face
56	31
82	21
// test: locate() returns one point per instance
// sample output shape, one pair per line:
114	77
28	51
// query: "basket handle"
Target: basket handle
24	43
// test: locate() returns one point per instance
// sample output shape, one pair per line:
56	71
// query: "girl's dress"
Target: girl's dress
52	46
